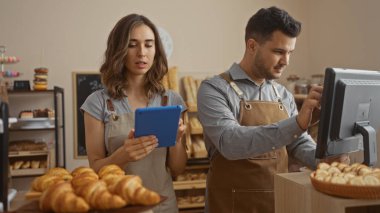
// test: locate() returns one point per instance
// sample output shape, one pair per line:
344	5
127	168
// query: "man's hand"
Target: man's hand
309	104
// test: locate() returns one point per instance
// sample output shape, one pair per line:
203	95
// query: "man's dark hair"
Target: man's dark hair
267	20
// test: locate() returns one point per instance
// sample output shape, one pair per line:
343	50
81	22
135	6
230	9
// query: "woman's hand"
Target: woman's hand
181	130
138	148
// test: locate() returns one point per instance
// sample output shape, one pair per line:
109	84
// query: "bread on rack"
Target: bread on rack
26	145
130	188
61	198
172	78
99	197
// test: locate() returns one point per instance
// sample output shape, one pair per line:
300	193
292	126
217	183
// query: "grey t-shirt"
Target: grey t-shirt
96	106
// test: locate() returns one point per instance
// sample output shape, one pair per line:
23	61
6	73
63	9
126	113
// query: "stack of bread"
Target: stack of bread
40	78
191	86
84	189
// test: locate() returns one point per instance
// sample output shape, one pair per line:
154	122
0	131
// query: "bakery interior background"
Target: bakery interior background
67	36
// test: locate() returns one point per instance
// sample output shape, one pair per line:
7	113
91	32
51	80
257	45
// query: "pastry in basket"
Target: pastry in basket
340	173
61	198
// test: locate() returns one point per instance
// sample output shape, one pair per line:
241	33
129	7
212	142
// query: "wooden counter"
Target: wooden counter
295	194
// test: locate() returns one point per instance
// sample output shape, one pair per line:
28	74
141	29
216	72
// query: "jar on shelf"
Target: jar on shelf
317	79
291	83
302	86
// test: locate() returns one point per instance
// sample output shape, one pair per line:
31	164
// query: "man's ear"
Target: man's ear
251	45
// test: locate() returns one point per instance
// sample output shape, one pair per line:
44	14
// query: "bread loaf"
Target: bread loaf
172	78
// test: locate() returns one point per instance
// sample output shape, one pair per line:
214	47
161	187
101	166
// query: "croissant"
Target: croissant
61	198
97	195
110	169
57	171
130	188
82	179
80	170
41	183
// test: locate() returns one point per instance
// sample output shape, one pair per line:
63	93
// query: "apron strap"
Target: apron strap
111	108
164	100
226	76
276	92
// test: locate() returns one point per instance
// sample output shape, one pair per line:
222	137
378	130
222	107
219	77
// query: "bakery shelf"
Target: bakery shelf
197	161
27	172
191	184
30	92
27	153
191	205
39	129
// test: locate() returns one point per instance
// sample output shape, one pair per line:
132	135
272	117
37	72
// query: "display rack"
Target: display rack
54	155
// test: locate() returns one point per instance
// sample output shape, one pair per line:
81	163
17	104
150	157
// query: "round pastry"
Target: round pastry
41	70
40	82
40	76
40	87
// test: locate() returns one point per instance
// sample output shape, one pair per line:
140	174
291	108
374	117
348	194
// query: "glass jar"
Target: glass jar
291	83
317	79
302	86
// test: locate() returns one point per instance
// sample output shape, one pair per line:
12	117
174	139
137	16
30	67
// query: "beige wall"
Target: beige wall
70	35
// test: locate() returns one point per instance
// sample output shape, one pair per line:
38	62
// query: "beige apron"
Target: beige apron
247	185
152	169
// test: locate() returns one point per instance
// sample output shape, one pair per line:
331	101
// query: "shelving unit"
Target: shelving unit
53	136
190	188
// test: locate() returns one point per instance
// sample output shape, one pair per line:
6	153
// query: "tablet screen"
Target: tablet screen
159	121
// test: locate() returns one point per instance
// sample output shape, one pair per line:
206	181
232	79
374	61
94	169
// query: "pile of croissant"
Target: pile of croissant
340	173
84	189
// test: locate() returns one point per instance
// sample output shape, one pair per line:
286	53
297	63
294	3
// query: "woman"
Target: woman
134	66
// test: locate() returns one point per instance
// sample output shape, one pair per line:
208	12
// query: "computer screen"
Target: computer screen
350	113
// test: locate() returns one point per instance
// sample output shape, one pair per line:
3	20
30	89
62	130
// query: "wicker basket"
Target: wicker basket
348	191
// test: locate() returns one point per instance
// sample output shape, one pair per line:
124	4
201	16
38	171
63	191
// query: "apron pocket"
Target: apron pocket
252	200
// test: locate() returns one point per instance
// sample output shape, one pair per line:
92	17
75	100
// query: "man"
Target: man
251	122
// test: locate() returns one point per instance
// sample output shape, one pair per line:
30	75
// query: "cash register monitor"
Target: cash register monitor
350	113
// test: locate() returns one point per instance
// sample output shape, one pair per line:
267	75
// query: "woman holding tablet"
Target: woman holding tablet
134	65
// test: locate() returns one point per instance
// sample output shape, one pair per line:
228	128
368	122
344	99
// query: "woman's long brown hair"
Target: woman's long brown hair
113	70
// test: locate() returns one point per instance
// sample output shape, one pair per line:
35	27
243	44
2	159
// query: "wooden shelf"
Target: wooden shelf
27	153
27	172
191	205
191	184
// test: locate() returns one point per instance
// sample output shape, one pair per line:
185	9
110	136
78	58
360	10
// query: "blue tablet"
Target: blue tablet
159	121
